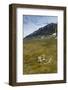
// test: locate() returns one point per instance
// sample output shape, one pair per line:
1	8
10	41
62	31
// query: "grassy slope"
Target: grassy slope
34	48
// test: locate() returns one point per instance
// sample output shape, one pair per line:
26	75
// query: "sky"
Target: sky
32	23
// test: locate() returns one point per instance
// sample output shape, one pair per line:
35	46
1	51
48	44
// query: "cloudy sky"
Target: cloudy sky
32	23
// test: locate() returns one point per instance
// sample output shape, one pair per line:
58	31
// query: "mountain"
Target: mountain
48	30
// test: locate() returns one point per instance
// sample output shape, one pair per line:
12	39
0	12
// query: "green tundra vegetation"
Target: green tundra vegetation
34	49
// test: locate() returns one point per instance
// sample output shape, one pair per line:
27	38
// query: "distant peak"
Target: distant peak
48	29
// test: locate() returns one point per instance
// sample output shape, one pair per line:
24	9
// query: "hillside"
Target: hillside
43	31
40	55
